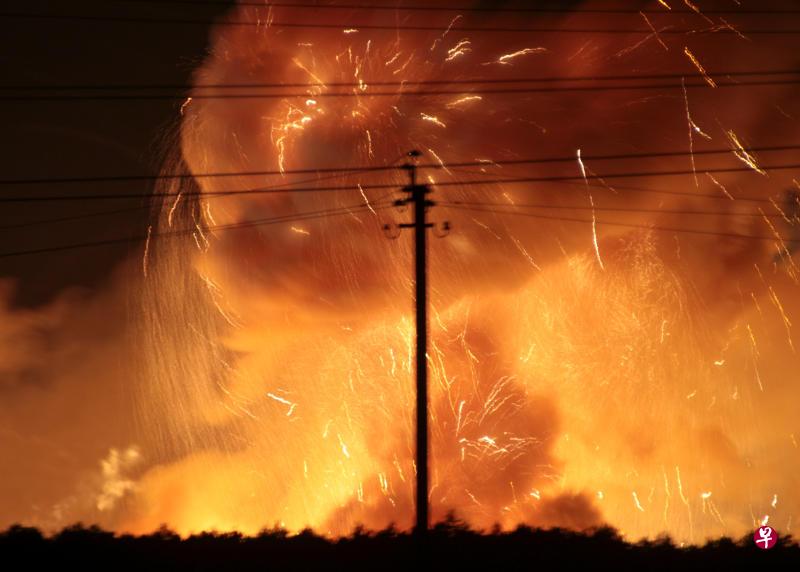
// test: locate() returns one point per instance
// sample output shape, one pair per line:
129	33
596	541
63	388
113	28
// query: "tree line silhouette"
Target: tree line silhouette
450	545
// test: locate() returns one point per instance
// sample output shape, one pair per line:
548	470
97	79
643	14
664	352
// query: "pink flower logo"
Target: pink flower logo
765	537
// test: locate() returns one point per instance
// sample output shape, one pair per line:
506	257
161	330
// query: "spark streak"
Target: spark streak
699	67
594	217
460	49
742	154
439	160
462	100
655	32
146	255
506	59
447	31
720	185
433	119
174	206
693	128
366	200
636	501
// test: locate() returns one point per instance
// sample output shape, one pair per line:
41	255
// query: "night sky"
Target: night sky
91	138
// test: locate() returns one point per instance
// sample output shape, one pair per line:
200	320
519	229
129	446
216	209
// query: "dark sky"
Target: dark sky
87	138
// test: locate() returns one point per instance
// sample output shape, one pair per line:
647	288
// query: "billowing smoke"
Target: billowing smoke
580	373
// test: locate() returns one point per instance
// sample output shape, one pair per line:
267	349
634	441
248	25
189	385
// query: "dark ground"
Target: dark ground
450	546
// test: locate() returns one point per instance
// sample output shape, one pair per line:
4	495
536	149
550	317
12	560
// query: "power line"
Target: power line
392	28
365	207
105	213
688	194
608	209
427	8
70	218
633	225
545	79
538	179
418	93
363	169
361	207
150	206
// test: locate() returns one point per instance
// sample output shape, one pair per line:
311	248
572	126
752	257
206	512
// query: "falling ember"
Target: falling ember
446	31
742	154
460	49
720	186
146	254
432	119
462	100
594	218
655	32
636	502
366	200
185	104
439	160
506	59
699	67
693	128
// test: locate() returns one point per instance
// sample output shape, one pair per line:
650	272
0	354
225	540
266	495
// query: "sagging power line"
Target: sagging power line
655	227
355	27
463	8
360	85
365	187
400	93
363	169
313	215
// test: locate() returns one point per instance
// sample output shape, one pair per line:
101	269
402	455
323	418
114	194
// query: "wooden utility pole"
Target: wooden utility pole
418	197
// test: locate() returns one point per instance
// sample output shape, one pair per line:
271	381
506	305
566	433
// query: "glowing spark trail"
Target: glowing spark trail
636	501
366	200
699	67
786	322
693	128
742	154
172	210
284	401
594	218
439	160
146	255
462	100
447	30
506	58
525	253
655	32
720	185
460	49
433	119
369	144
692	6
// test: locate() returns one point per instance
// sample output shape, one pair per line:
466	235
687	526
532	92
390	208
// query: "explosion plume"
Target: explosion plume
591	361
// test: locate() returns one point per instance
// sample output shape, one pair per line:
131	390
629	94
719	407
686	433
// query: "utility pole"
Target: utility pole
417	196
